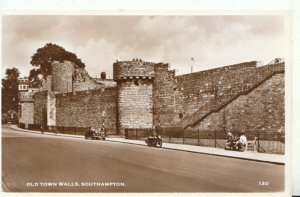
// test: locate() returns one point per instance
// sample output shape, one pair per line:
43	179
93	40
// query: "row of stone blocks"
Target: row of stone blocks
261	75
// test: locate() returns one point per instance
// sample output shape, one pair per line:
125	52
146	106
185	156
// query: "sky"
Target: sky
203	42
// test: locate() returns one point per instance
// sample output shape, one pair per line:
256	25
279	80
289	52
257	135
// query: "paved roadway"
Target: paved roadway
32	161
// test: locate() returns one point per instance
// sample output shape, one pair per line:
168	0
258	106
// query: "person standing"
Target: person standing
42	129
242	142
230	141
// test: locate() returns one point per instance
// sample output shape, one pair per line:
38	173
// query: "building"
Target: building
23	84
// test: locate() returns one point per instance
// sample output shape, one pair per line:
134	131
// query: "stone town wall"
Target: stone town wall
87	109
149	94
27	113
40	108
27	96
164	100
196	89
51	109
27	108
260	110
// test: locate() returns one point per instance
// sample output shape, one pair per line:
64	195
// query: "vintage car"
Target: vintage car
94	134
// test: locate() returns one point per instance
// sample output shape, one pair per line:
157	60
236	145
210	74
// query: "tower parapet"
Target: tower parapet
133	69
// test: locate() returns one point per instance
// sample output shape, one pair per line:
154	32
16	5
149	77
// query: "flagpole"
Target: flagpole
193	60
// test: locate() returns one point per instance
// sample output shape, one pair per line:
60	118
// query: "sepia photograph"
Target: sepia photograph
148	103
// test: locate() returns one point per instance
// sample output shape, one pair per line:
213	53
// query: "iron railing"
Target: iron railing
267	142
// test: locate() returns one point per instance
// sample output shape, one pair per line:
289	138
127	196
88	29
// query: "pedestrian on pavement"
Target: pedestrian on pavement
242	142
230	141
42	129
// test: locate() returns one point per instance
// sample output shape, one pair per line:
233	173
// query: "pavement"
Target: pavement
248	155
33	162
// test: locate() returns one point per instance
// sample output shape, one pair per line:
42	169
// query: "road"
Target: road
39	163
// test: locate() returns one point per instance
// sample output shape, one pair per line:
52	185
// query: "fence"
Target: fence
34	127
68	130
58	129
267	142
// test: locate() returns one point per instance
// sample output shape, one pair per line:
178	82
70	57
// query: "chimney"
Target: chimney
103	76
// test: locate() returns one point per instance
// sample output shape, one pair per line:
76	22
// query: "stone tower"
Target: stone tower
134	94
62	76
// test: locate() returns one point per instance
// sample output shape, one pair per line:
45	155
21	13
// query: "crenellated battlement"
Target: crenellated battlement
244	65
135	68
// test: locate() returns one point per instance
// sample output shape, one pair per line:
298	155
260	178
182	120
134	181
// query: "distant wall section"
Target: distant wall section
87	109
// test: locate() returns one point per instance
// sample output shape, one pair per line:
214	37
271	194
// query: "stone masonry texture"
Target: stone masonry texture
62	74
164	96
26	108
51	109
87	109
134	94
196	89
82	81
40	108
133	69
147	95
135	104
27	113
260	110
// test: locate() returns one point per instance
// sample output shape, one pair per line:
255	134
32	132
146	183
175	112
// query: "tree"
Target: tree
10	97
43	59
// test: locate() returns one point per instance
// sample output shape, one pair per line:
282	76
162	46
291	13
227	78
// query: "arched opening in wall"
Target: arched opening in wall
136	82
